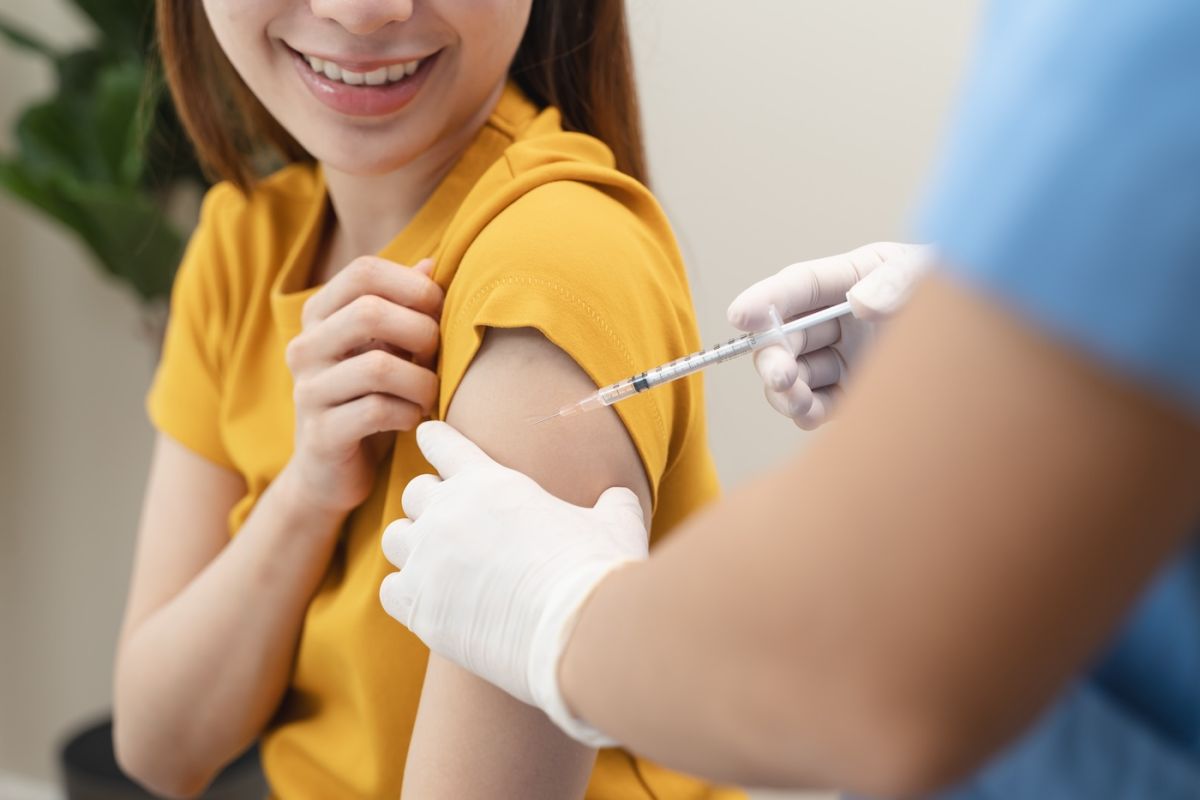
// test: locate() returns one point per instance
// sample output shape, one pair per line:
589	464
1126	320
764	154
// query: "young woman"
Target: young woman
493	144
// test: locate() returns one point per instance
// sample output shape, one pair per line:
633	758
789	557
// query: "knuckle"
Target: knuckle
867	259
432	385
368	312
294	353
428	333
306	311
426	390
372	410
408	417
364	270
430	294
378	365
377	408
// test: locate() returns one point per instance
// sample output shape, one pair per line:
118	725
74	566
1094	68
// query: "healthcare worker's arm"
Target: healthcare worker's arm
904	596
886	611
879	615
471	739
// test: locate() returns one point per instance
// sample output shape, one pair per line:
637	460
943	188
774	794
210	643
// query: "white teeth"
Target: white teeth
376	77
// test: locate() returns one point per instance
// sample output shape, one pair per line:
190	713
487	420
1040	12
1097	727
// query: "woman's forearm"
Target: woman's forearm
472	740
198	679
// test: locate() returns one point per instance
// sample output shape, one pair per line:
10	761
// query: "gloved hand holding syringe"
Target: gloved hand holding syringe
874	296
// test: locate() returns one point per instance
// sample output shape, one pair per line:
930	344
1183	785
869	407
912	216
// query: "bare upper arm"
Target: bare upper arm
472	739
184	525
519	374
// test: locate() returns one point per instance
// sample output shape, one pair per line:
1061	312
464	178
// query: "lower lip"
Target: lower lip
363	101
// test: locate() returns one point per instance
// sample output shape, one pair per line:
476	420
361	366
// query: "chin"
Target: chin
363	160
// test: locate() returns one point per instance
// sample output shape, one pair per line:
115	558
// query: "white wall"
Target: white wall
781	130
73	367
778	130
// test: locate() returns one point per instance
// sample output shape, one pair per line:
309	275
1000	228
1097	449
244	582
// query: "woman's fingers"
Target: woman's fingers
364	319
372	372
344	426
411	288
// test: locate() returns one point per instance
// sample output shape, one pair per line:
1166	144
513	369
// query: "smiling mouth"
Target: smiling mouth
387	75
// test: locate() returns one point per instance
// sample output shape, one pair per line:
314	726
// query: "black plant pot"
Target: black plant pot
90	771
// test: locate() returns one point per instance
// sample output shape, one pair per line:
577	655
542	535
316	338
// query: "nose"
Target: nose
363	17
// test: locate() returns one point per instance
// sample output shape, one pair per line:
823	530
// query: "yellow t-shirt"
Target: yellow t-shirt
532	228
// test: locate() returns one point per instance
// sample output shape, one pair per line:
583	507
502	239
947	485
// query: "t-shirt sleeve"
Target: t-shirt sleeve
185	398
598	281
1070	189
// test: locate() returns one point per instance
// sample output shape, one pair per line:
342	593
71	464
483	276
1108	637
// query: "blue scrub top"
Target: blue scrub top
1071	193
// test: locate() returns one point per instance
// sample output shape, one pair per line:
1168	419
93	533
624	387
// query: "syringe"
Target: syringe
682	367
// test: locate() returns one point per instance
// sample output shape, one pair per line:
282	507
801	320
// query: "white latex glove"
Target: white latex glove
876	278
494	569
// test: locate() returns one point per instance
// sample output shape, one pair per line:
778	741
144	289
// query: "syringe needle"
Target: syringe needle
591	401
606	396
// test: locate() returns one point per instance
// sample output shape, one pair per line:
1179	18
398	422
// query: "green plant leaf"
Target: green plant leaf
54	138
131	237
123	227
50	141
25	40
120	122
39	192
95	155
95	135
78	72
126	25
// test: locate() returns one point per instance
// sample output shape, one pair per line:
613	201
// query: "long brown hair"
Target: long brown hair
575	55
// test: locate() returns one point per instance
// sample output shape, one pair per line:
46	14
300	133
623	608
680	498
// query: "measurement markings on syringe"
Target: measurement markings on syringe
687	365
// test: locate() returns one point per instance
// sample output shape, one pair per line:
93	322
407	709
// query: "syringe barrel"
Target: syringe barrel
682	367
695	362
616	392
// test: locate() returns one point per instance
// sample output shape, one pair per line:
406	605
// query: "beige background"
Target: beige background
779	130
